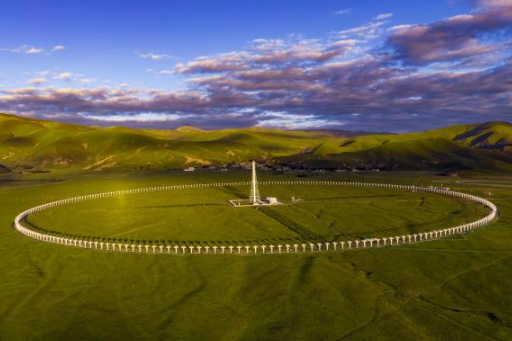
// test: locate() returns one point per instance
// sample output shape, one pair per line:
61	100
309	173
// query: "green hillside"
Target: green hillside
30	143
491	135
438	153
478	147
47	144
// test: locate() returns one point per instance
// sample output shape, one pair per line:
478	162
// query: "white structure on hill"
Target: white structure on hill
254	197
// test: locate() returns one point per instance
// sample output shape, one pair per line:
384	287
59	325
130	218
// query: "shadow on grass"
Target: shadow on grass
176	206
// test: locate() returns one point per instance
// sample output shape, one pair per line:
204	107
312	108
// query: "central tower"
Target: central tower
254	198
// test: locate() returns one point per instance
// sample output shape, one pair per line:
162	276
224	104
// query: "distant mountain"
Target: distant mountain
493	135
46	144
188	129
347	133
478	146
27	143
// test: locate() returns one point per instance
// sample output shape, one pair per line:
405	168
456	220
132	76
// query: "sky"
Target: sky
373	65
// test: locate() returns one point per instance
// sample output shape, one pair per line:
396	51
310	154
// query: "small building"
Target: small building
271	201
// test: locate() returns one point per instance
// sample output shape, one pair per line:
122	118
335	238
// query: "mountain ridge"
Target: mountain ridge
46	144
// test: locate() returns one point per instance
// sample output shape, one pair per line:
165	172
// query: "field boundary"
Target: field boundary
217	248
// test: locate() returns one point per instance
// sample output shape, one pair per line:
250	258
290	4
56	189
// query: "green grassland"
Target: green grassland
206	215
452	289
47	145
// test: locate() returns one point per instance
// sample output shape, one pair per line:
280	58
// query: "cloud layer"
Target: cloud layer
373	77
32	50
459	38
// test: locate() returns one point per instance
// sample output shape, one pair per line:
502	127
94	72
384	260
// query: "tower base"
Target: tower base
262	202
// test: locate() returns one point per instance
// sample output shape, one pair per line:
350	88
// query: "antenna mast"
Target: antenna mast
255	193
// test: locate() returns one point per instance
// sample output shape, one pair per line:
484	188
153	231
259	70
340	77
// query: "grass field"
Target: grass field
452	289
325	213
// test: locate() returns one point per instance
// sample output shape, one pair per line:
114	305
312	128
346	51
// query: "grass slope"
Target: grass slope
188	216
46	144
429	153
49	144
453	289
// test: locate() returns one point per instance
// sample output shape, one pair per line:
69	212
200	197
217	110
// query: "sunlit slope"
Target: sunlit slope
492	135
50	144
430	153
433	153
47	144
478	146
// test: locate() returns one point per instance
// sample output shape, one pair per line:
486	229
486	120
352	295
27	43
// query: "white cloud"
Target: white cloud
58	48
34	50
66	76
142	117
42	73
383	16
345	42
88	80
153	56
368	31
342	12
24	49
400	27
283	119
37	81
27	49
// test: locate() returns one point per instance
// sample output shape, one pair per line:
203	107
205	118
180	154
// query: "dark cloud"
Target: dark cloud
360	95
453	39
449	74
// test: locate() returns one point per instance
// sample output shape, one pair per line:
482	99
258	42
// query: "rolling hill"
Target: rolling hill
46	144
28	143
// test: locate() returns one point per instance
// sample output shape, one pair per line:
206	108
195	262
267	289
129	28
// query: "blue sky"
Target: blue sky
290	64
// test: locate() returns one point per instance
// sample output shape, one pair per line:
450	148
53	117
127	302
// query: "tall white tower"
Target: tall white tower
254	199
255	192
